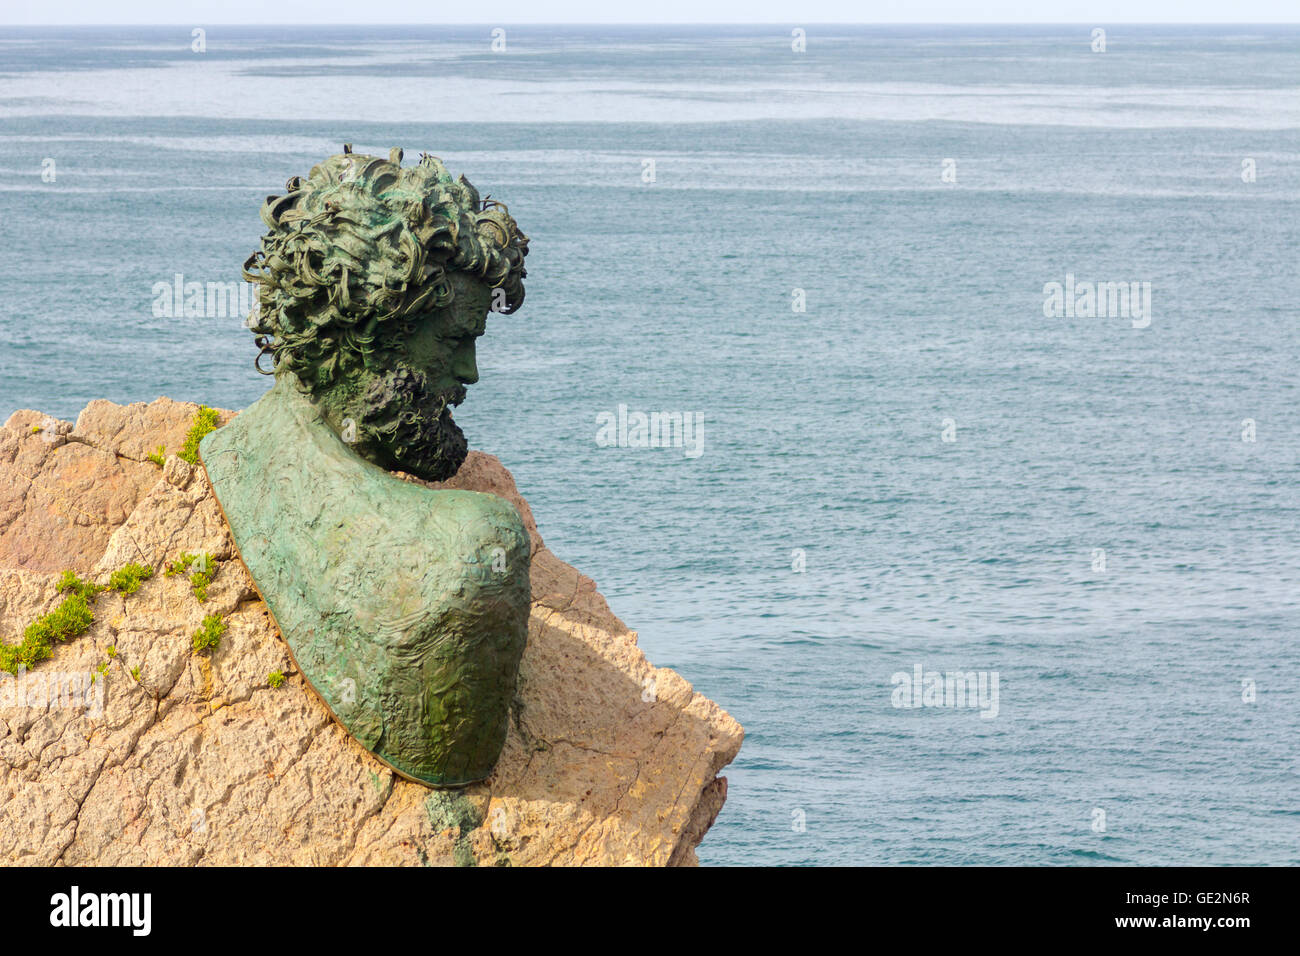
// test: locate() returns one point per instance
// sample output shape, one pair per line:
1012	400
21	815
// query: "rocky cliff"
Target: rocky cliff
177	756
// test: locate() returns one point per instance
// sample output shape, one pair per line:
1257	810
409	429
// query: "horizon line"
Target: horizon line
692	23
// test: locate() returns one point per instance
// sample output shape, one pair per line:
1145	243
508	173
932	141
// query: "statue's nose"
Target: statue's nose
464	366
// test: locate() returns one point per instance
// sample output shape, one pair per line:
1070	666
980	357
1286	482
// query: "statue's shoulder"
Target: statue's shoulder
242	447
450	528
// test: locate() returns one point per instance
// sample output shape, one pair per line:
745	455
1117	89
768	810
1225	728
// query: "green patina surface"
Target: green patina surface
405	607
455	811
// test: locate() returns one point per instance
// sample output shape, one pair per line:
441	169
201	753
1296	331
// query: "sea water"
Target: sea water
838	258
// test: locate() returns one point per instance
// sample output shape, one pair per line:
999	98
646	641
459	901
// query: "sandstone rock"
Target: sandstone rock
59	499
197	759
135	431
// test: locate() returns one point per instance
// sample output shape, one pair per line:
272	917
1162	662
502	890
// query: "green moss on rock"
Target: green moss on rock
205	420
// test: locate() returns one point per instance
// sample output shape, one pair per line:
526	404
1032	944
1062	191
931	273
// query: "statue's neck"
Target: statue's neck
285	394
286	399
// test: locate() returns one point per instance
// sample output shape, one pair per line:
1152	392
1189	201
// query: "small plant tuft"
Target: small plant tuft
181	564
200	580
275	678
205	570
70	619
127	579
70	582
205	421
208	636
158	457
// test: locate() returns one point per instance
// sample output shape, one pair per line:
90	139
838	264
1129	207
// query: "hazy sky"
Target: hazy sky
199	12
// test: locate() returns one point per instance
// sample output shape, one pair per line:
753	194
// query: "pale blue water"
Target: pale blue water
1119	690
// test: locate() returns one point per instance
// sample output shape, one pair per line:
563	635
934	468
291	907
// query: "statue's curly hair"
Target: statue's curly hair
361	247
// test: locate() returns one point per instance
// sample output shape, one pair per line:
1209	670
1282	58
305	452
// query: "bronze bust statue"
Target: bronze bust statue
405	607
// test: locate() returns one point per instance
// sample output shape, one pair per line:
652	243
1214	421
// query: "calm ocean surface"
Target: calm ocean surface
1120	689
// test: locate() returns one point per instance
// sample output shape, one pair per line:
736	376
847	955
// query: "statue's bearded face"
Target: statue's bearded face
442	344
400	417
375	282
